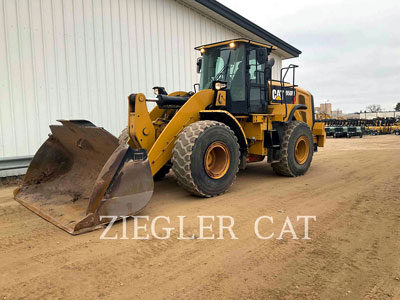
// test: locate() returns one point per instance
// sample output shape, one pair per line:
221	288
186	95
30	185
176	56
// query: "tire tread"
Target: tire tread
182	155
282	168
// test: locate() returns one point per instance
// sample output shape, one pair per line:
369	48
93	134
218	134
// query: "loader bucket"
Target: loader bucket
81	174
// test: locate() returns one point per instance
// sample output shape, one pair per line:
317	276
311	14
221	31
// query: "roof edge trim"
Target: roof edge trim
241	21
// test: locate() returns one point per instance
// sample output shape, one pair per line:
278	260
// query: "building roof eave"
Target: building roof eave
239	20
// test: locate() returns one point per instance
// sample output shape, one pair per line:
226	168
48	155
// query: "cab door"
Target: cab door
237	95
256	83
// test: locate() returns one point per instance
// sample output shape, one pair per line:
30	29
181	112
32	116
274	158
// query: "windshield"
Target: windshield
222	63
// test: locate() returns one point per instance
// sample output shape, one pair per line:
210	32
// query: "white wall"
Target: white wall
66	59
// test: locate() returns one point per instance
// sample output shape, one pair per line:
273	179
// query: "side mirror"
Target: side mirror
271	62
262	55
198	63
268	67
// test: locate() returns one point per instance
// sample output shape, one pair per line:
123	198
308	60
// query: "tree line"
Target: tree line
375	108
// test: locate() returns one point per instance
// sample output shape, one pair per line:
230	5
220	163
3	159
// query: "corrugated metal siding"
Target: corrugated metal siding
65	59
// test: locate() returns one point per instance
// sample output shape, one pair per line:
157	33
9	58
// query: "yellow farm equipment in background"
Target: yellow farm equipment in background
238	115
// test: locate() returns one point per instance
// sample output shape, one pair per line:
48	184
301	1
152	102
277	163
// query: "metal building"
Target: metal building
80	59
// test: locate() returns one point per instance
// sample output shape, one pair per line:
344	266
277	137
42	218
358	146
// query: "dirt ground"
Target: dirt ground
354	253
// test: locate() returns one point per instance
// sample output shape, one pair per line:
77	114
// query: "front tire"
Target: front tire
297	150
205	158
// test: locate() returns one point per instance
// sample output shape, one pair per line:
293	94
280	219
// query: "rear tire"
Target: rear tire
205	158
297	150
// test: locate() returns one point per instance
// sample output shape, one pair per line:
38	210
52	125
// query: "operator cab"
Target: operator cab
242	68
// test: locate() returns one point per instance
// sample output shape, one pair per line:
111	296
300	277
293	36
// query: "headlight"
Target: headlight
220	85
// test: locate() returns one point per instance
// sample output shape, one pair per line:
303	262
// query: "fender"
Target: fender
296	107
229	120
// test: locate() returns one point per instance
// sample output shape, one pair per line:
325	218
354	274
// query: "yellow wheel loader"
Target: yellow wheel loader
238	115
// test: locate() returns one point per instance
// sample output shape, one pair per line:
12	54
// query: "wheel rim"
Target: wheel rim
301	150
216	160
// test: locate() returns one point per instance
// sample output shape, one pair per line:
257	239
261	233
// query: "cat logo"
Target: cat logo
277	94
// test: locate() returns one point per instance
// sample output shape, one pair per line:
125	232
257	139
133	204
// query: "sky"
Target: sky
350	49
